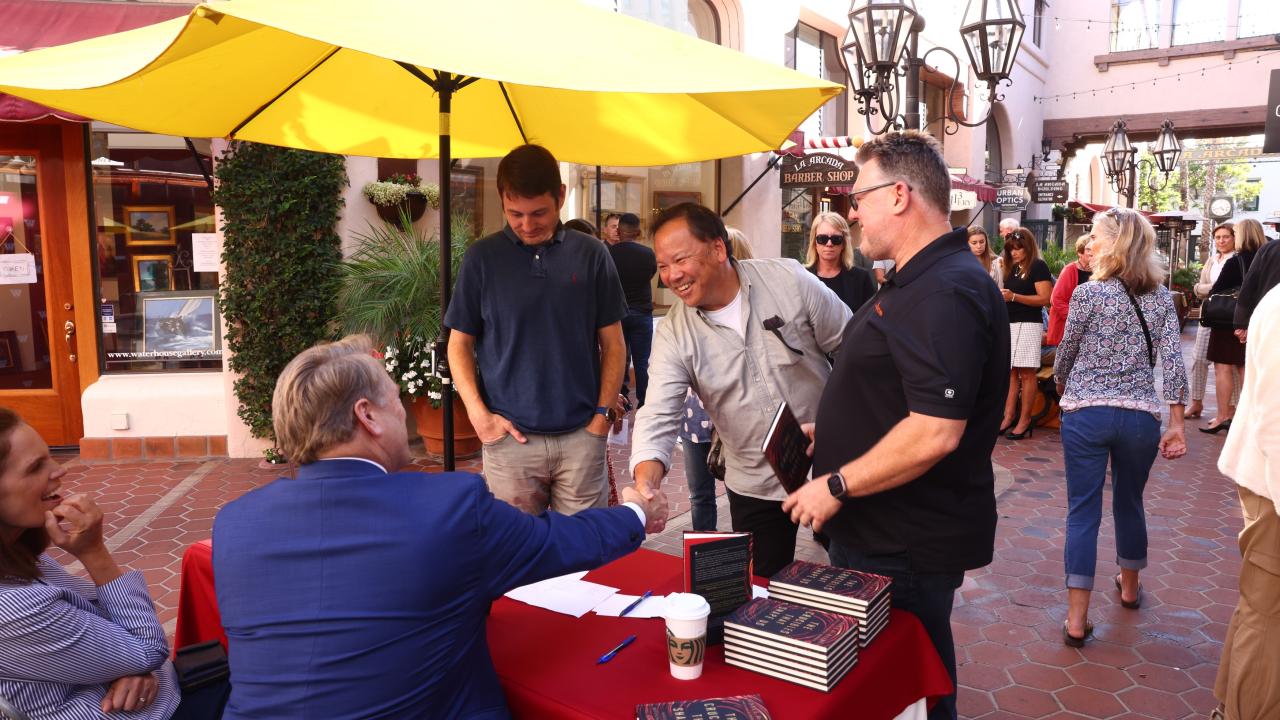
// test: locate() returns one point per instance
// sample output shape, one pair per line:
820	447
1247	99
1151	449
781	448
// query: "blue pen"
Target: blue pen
633	605
609	655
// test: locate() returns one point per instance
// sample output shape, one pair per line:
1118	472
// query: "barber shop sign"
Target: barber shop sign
817	170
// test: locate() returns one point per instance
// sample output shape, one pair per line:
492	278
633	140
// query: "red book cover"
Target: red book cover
786	448
737	707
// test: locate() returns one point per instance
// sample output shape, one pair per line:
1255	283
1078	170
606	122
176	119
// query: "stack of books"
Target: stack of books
736	707
865	596
803	645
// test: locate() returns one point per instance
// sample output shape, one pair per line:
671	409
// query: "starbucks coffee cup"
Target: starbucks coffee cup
686	617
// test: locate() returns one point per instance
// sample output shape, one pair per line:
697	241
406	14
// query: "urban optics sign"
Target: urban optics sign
817	170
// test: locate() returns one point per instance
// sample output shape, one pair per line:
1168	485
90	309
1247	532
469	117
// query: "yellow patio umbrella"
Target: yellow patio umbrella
428	78
338	76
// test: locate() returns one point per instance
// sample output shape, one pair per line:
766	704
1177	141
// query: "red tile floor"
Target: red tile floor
1157	662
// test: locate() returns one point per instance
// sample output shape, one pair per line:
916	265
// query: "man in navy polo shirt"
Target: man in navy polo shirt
903	483
538	311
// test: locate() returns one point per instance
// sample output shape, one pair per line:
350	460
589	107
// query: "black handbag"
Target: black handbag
715	457
1219	311
200	665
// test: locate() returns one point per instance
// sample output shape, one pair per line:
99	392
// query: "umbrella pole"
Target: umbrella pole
445	91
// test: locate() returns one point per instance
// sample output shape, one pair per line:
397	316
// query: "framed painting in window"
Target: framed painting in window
149	225
152	273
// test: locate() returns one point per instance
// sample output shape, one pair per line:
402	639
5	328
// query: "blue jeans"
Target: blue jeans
1130	439
637	330
702	484
928	596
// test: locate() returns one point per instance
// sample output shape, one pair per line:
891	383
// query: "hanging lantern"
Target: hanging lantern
1118	152
992	32
1168	149
881	29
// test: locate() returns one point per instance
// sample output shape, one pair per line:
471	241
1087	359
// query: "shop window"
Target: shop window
1197	21
1135	24
1257	17
157	254
24	341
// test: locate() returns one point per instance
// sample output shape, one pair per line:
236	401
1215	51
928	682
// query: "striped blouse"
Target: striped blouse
1103	357
63	641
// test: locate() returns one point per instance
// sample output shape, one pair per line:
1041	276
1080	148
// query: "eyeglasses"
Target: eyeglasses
829	239
853	196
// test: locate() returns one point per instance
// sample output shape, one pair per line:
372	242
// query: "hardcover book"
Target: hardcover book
717	566
737	707
774	671
786	448
837	583
795	624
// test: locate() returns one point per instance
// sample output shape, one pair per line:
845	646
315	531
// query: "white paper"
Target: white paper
568	594
206	252
620	437
652	607
17	269
759	592
108	328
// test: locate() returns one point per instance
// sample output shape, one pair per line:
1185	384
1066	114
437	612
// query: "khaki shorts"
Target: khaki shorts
1248	682
566	473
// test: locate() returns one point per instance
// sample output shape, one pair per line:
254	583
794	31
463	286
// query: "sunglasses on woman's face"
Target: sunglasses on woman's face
829	239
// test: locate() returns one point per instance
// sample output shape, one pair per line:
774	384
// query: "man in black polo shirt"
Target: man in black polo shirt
903	483
636	268
538	310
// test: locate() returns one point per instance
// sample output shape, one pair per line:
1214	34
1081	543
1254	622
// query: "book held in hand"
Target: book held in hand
717	566
736	707
786	448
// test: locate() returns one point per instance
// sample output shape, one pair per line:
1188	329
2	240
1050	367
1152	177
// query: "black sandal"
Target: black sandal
1134	604
1076	642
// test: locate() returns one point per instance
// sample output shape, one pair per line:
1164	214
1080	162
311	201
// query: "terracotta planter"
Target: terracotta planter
430	423
415	203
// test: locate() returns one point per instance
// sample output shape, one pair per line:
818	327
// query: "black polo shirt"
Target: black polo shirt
636	266
935	341
535	311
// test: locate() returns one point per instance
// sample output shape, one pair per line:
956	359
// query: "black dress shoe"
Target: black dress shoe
1022	435
1214	430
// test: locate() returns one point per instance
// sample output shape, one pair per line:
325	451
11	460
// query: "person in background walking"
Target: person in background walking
1224	242
1027	288
1225	349
1248	683
695	440
1117	327
980	246
830	257
636	267
1074	274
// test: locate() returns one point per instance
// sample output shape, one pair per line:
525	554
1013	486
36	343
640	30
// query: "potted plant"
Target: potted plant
402	194
391	291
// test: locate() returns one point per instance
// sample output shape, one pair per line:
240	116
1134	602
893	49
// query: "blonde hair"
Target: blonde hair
846	248
315	394
738	243
1132	256
990	254
1082	242
1249	235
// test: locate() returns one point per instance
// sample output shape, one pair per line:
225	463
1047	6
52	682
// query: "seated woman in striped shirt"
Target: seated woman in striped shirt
70	648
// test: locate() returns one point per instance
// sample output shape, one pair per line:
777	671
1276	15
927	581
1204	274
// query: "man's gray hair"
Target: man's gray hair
1009	224
915	158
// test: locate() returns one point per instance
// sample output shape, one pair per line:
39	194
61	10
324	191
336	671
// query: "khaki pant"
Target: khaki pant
1248	683
566	473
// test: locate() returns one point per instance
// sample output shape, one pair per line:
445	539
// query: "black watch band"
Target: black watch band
835	483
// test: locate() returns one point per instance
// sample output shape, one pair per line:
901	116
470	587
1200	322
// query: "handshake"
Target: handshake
654	504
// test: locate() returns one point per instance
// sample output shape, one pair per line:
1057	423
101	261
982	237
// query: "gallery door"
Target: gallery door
39	337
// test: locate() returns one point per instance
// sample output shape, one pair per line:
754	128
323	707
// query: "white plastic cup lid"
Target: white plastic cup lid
686	606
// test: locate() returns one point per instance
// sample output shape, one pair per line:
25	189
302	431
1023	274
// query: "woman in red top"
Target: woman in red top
1076	273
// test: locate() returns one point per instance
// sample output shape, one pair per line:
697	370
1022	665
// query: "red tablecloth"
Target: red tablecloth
546	661
198	618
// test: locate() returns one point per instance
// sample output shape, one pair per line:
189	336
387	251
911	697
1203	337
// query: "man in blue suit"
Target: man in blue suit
354	590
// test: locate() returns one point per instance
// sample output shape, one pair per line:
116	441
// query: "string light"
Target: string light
1155	81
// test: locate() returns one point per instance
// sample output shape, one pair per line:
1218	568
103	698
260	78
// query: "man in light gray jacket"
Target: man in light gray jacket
747	336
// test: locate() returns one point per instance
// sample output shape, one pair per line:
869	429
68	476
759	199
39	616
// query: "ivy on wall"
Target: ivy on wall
280	209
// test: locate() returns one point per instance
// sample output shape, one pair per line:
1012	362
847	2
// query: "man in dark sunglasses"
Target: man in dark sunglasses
903	484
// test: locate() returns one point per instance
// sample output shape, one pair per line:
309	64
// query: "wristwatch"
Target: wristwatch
608	413
835	483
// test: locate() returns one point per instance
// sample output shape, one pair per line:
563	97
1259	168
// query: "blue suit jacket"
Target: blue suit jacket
350	593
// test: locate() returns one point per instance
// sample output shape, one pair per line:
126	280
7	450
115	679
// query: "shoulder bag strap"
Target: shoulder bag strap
1146	332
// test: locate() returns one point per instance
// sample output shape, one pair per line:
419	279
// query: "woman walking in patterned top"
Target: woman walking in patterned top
1117	327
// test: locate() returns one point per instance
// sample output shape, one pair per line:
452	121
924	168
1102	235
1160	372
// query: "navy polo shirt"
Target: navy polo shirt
535	312
935	341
